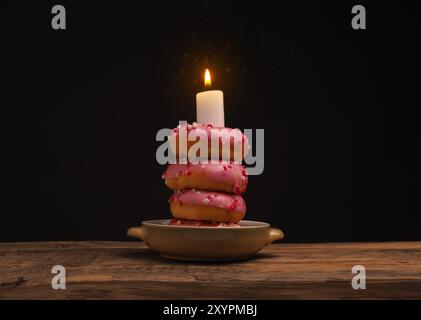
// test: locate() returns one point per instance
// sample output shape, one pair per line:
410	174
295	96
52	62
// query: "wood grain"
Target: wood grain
128	270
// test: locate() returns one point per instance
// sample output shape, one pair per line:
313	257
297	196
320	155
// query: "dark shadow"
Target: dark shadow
149	255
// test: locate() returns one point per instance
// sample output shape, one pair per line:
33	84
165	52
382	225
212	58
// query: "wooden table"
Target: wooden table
128	270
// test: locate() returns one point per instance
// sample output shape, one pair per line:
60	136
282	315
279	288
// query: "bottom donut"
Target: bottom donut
201	223
207	206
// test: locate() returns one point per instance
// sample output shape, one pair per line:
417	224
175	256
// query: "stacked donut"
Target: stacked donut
208	193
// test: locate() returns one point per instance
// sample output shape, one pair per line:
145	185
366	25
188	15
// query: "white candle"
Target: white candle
210	105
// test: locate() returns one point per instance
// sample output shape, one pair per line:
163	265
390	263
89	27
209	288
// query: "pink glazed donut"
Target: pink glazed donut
207	206
200	223
223	176
220	143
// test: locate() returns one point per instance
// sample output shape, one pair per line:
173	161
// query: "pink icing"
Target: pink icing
223	172
224	135
222	200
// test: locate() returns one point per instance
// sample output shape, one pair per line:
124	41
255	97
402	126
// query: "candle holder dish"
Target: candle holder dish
201	243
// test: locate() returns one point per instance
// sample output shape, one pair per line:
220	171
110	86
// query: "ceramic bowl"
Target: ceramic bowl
206	243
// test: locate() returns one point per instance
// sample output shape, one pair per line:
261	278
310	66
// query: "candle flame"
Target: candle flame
207	78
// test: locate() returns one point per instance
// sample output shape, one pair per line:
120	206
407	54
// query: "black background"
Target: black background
83	106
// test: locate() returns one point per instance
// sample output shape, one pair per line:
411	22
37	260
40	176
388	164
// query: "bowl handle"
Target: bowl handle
136	232
275	234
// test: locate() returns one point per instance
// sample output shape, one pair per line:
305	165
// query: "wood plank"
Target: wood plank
128	270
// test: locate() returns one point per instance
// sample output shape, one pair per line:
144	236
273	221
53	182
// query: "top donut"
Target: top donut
205	141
